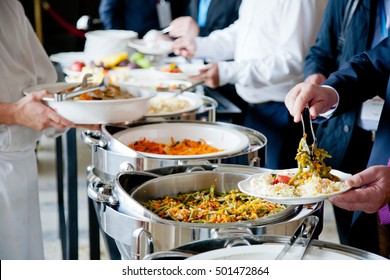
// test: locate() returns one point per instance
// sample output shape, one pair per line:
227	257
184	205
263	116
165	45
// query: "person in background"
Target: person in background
361	78
202	18
23	119
138	15
268	44
205	16
348	143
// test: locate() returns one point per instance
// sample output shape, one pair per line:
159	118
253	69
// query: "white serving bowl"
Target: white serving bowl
100	43
98	111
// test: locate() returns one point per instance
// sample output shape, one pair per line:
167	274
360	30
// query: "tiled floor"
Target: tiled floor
49	212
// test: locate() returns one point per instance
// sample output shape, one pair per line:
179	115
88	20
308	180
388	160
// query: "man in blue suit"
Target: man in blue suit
348	28
364	76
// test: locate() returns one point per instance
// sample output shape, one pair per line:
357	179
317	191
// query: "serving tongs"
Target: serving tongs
304	233
80	89
306	147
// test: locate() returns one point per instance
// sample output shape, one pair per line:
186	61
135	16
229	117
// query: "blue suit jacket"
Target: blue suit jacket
334	135
136	15
362	77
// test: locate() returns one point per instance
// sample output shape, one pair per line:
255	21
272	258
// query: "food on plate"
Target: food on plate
98	74
183	147
206	206
110	61
111	92
277	185
165	105
312	178
77	66
171	68
140	60
170	87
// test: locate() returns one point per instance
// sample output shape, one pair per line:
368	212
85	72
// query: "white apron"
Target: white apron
20	230
23	63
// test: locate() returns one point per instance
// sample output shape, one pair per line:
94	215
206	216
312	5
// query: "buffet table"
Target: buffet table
67	174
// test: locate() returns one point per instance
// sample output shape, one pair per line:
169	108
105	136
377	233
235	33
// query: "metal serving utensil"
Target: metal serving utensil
194	85
61	96
305	231
314	145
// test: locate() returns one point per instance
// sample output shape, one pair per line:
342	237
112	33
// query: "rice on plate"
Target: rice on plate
277	185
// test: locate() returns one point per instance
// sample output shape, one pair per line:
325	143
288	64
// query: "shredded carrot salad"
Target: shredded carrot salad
184	147
206	206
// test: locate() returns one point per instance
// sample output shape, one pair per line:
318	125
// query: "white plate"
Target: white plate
169	75
191	69
172	85
98	111
194	102
143	78
67	58
159	48
231	141
246	187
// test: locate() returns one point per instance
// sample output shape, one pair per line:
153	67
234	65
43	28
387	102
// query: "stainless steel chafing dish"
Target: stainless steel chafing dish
262	247
137	233
110	156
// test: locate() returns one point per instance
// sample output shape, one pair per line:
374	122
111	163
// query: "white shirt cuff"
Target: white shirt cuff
330	112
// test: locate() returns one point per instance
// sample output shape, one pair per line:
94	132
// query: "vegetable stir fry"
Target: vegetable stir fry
311	162
208	207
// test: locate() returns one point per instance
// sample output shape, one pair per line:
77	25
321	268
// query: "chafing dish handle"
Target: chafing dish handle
136	242
100	197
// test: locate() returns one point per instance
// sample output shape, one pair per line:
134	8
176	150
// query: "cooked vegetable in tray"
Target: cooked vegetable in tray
184	147
206	206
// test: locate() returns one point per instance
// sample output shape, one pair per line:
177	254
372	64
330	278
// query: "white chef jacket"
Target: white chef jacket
23	63
268	43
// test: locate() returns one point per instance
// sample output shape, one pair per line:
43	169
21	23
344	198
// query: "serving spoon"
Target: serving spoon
194	85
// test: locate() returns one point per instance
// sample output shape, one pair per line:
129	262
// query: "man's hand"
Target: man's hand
209	74
184	26
31	112
319	99
316	79
370	199
184	46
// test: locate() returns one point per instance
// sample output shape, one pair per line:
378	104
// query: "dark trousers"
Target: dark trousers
283	135
363	233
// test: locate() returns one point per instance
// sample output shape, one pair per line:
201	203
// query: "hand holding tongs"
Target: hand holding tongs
61	96
305	230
